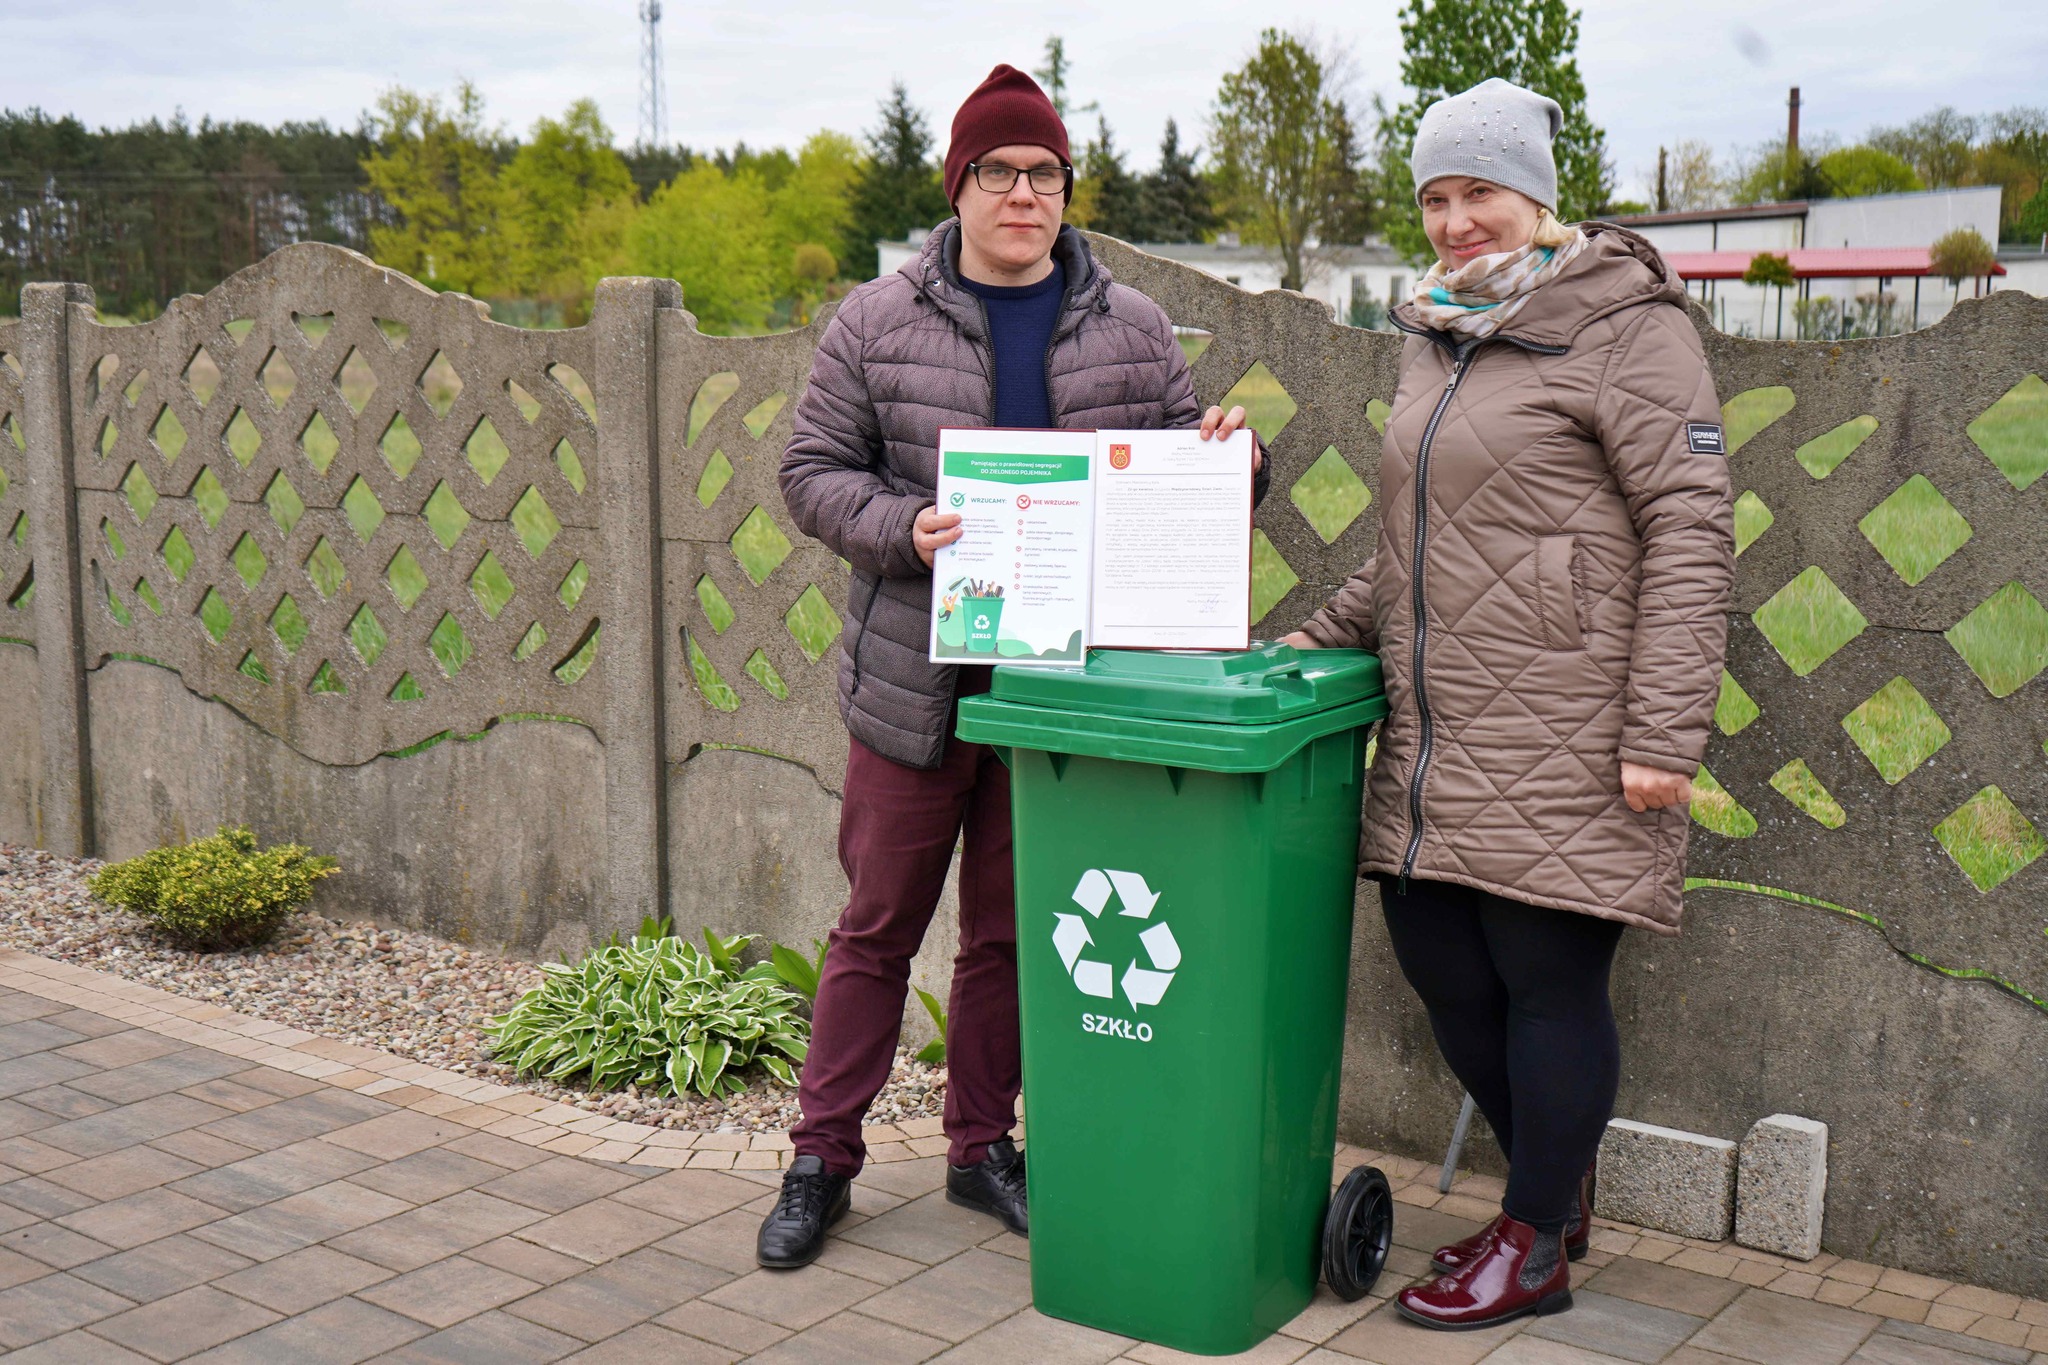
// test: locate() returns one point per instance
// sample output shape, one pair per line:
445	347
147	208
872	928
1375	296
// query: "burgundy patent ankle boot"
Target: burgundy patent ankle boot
1518	1272
1577	1234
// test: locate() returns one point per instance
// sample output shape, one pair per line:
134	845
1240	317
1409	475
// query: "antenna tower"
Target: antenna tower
653	99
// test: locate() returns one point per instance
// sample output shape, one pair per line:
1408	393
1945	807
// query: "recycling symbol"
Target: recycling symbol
981	621
1141	985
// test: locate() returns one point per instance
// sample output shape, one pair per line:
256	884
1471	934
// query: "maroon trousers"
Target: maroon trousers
897	829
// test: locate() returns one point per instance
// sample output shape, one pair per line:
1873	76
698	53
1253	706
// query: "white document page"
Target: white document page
1014	588
1173	546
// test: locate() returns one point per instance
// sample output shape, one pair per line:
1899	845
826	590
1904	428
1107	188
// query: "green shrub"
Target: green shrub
215	893
658	1012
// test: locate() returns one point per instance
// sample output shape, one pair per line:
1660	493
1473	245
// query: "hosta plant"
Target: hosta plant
658	1012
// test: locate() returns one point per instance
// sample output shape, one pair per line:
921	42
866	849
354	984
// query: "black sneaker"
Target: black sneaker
994	1185
813	1199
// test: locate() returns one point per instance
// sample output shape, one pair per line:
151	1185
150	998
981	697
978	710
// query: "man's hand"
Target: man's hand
933	529
1221	425
1300	639
1648	788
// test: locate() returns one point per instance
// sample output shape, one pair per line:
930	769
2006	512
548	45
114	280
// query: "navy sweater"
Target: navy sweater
1020	323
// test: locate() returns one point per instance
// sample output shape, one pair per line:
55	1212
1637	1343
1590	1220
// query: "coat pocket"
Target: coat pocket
1557	594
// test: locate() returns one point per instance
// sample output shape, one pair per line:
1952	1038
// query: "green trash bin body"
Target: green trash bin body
1186	833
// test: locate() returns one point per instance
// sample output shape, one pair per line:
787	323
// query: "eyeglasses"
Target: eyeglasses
1002	179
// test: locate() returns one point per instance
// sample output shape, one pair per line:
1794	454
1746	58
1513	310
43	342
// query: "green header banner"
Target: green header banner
967	464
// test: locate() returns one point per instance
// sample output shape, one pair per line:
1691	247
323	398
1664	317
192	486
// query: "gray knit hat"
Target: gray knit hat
1495	131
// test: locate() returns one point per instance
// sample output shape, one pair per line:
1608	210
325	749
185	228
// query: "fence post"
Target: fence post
626	386
53	543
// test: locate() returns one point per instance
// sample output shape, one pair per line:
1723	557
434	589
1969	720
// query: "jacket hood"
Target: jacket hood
1618	269
935	272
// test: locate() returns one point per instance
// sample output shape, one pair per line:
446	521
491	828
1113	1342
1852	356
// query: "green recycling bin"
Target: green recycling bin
1186	834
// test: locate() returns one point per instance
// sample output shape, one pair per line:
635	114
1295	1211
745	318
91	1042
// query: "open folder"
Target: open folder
1076	539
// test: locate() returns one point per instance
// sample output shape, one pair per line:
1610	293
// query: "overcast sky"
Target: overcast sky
773	71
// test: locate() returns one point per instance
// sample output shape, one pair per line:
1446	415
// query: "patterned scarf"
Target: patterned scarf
1483	295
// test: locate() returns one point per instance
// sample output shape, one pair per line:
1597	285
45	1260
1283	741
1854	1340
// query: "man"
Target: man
1006	320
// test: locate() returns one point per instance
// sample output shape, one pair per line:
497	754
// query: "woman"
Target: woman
1548	597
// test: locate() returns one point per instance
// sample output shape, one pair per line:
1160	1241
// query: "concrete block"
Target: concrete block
1665	1179
1781	1185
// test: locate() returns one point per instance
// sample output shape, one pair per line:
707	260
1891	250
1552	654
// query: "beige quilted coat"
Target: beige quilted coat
1549	593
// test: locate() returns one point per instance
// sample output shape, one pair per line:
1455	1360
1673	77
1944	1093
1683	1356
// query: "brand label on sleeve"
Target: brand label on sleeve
1705	438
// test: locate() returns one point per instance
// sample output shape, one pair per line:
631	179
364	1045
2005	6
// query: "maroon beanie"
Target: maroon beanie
1007	109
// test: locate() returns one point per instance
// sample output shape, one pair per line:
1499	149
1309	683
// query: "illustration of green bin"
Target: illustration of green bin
984	617
1186	832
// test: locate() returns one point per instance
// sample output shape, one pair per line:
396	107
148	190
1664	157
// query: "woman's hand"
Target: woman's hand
1300	639
1222	425
932	530
1647	788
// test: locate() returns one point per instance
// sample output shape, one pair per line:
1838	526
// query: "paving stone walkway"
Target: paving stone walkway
181	1183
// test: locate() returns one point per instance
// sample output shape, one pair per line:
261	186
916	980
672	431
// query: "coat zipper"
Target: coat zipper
1420	608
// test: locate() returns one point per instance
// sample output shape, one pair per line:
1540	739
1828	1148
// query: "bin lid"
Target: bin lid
1258	686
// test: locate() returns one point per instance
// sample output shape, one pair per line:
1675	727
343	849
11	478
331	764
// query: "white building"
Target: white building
1336	274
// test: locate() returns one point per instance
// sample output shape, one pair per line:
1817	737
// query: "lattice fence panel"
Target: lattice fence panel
17	571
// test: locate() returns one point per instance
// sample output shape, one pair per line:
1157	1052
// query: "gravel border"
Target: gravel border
398	990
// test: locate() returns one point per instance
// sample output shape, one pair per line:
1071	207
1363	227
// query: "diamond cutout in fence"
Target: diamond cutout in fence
1808	620
319	443
278	378
1272	576
2004	639
1752	519
326	681
571	670
1797	784
1735	709
760	546
289	624
1377	413
1990	839
2013	432
399	447
25	594
440	385
1750	411
100	376
1822	455
202	375
177	554
211	498
215	615
169	435
140	492
535	522
20	532
1192	343
395	332
249	561
445	514
714	689
406	689
366	634
812	623
147	594
528	405
1268	407
116	608
324	567
253	667
313	326
534	638
135	386
717	474
756	421
1896	730
711	396
109	434
486	450
573	583
573	385
1715	809
406	579
357	381
113	535
717	610
763	672
1915	529
365	513
286	506
12	430
241	438
571	467
1330	495
449	646
491	585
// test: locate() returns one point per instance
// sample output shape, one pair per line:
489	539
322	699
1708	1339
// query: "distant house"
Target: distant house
1338	275
1840	249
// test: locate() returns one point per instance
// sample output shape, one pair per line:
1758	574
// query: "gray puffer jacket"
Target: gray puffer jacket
906	355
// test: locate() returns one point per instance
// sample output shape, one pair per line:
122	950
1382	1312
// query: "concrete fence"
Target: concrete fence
513	623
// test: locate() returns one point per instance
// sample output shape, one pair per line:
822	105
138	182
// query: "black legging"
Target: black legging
1517	998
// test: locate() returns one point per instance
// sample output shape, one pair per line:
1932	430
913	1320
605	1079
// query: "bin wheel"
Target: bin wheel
1357	1233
